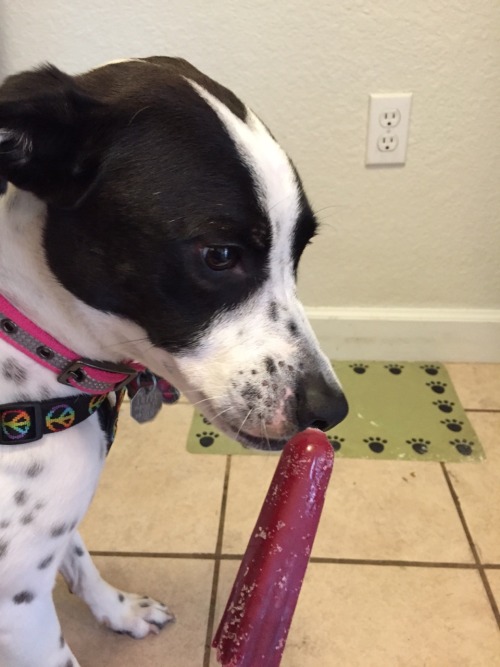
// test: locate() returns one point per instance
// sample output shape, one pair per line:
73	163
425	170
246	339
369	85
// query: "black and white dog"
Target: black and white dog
145	214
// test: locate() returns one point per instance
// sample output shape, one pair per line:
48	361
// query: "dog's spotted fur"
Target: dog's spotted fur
122	184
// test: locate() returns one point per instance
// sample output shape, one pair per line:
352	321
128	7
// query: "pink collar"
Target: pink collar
87	375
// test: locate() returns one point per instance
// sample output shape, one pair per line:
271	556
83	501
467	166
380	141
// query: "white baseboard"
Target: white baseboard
408	334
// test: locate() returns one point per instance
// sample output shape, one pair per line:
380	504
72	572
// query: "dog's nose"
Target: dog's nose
319	404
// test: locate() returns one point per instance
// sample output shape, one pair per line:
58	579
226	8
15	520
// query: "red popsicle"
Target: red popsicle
255	624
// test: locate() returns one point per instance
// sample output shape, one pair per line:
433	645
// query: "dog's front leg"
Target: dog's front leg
126	613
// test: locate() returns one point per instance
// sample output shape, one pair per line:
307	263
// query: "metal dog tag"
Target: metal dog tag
146	404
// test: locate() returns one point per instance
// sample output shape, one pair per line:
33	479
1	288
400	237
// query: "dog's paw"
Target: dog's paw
134	615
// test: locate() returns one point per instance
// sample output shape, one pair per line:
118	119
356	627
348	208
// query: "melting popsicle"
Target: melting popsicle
255	624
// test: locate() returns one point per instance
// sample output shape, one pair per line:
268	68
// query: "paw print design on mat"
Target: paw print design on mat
437	387
335	442
464	447
205	420
395	369
430	369
376	444
444	406
359	368
207	438
419	445
453	424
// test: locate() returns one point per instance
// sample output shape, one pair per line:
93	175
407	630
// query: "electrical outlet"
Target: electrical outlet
388	128
390	118
387	142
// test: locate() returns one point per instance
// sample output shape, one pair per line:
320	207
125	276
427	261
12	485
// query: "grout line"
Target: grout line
480	567
215	580
314	559
396	563
153	554
486	410
376	563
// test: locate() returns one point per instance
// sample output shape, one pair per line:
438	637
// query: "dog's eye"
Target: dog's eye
221	257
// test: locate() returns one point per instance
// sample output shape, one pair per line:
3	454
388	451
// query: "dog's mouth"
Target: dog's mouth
249	441
232	421
262	443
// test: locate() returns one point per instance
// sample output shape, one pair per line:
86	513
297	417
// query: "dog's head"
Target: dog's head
170	205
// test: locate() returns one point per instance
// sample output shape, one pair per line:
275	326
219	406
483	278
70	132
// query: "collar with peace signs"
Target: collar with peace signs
25	422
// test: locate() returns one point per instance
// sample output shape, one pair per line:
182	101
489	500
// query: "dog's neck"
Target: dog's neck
26	281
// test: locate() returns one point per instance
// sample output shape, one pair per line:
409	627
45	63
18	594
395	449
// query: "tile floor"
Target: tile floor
405	569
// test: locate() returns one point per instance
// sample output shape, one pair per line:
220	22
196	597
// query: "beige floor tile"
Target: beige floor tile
185	585
249	480
154	495
365	616
393	510
478	488
477	385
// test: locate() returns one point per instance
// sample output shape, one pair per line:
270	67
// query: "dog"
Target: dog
147	216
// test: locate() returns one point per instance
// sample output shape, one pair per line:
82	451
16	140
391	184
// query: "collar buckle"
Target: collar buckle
75	371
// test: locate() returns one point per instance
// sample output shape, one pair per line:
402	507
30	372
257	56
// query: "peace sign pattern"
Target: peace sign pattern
60	417
16	424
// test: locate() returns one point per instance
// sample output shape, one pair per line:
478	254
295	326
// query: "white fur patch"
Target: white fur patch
274	178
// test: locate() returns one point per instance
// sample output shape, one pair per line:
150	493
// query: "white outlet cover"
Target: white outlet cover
381	135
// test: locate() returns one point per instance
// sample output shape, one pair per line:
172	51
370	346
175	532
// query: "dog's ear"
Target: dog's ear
46	123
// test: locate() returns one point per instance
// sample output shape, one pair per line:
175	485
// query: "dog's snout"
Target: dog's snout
319	403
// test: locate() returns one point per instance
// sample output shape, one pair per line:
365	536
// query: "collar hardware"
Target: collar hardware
9	327
75	372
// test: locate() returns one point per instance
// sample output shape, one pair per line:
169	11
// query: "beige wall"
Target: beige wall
423	236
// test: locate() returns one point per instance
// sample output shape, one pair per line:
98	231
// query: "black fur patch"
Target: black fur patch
23	598
250	392
306	227
13	371
34	469
46	562
58	530
162	143
3	547
21	497
270	365
273	311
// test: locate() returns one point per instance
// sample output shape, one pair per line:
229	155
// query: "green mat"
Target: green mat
405	411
